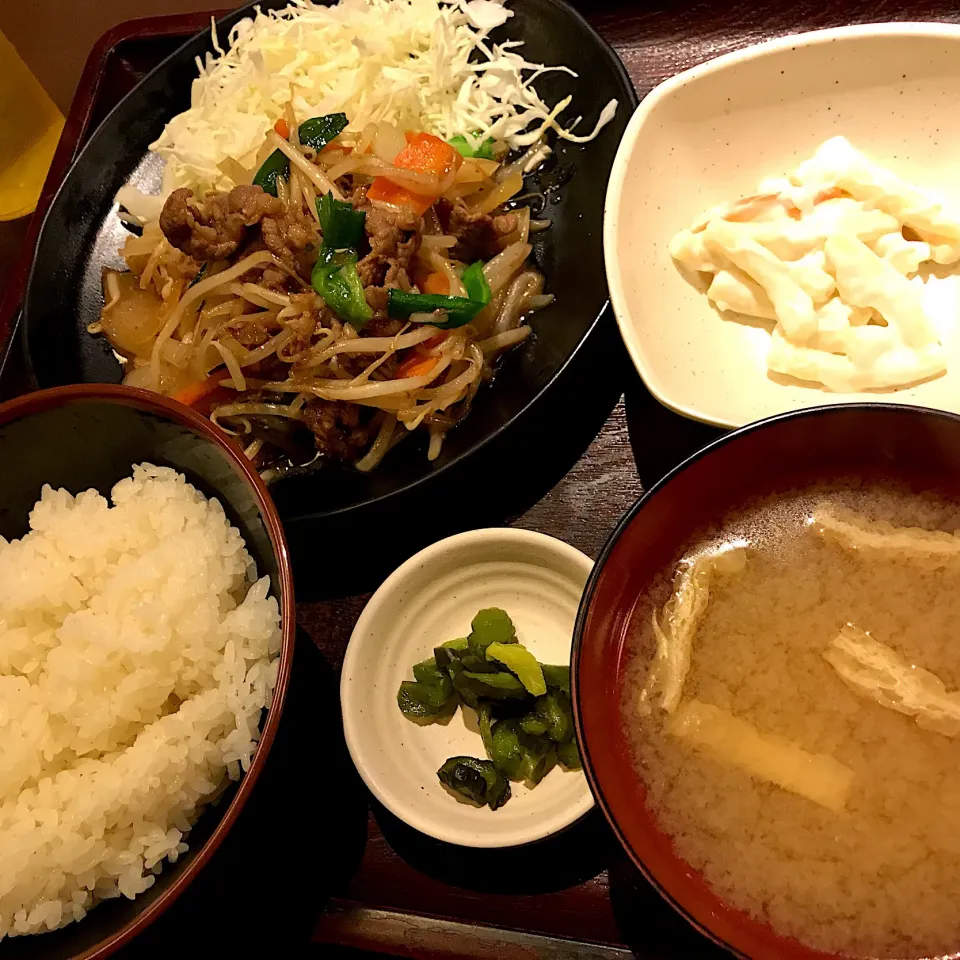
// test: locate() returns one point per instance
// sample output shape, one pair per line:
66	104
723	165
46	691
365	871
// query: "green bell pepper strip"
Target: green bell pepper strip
201	273
335	278
458	310
475	283
276	166
341	225
483	151
315	133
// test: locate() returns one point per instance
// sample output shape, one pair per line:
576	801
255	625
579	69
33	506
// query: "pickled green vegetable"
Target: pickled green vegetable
522	663
538	760
557	677
422	701
569	755
485	723
429	695
492	625
499	686
476	662
524	714
554	712
534	725
506	751
462	685
477	780
428	672
447	654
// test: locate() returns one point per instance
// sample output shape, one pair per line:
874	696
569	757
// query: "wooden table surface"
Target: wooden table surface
312	867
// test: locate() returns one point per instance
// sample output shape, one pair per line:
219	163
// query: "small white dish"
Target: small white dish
432	598
708	135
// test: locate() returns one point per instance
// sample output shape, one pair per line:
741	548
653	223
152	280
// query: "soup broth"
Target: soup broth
872	865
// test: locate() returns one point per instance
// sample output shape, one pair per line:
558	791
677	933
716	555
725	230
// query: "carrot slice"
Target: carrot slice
386	191
195	392
427	154
828	193
436	283
415	366
434	341
749	208
423	153
282	128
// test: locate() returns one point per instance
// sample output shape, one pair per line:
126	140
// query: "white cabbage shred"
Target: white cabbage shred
880	540
677	626
875	671
764	756
417	64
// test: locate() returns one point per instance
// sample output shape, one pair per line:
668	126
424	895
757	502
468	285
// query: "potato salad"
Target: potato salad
846	260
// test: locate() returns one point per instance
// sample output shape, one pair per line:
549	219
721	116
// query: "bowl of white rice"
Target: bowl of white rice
146	636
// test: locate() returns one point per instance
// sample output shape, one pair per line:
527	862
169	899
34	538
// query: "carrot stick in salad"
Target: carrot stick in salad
282	128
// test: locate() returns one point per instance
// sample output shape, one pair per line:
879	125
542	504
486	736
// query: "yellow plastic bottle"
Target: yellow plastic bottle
30	126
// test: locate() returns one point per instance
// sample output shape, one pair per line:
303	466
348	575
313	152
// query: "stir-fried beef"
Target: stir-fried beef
394	238
289	237
337	429
249	332
380	325
213	228
479	235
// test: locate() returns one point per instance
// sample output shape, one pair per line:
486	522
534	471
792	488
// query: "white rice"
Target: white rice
137	651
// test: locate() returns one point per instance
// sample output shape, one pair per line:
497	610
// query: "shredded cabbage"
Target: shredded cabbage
764	756
875	671
675	629
417	64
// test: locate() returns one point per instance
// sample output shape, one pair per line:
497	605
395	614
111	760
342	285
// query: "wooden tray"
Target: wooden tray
311	869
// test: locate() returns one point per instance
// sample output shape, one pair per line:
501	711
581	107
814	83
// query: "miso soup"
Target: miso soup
799	731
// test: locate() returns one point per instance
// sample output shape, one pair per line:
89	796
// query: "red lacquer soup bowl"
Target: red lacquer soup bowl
869	442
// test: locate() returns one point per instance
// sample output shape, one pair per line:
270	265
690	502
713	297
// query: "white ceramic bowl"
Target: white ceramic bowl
432	598
709	135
